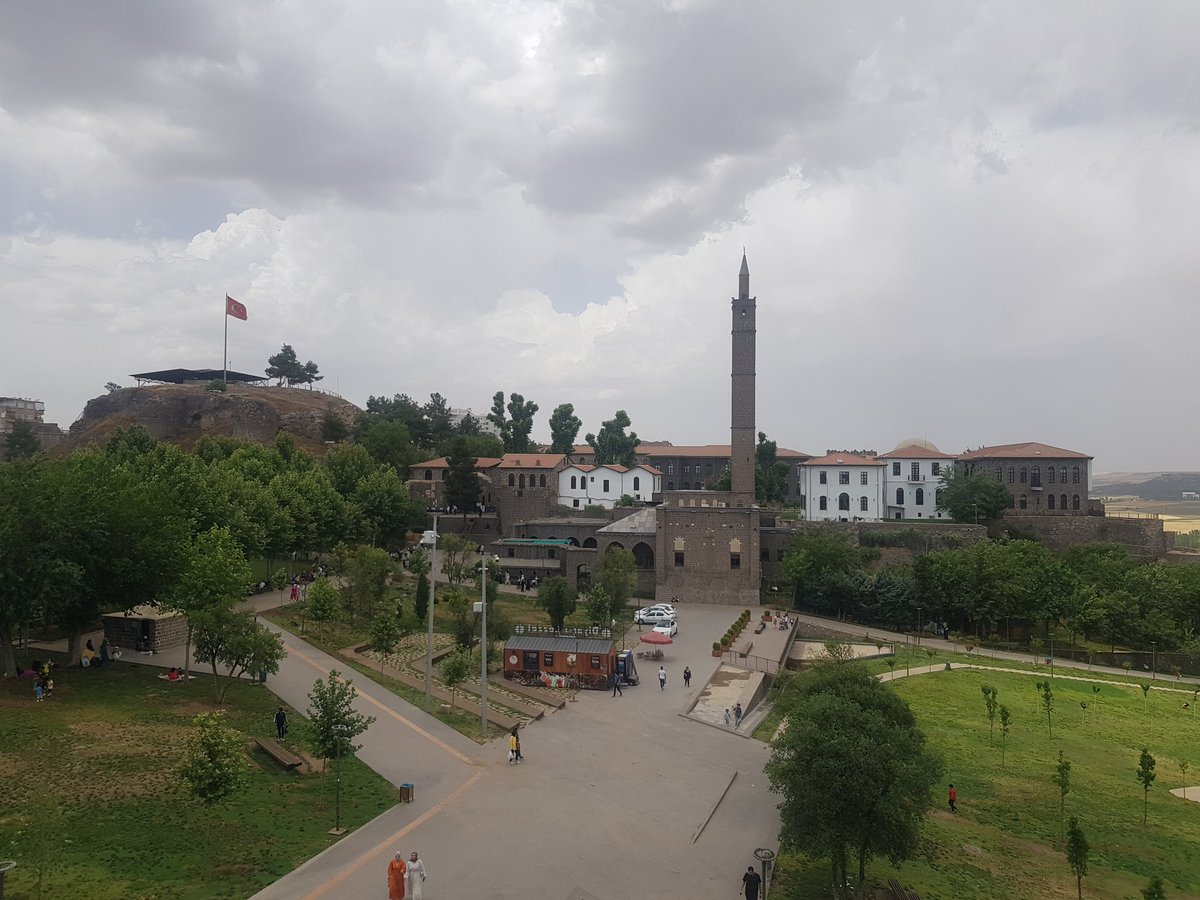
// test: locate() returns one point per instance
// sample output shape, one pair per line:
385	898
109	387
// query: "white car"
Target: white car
652	615
669	628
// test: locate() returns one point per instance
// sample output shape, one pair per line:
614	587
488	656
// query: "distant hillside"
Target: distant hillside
1147	485
184	413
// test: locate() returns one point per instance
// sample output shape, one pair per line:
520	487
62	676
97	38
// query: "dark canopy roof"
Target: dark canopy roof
179	376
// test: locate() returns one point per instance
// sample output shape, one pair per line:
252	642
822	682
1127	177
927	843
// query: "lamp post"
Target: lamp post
430	540
483	644
918	626
1153	660
340	732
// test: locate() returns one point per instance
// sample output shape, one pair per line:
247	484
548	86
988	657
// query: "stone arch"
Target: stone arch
643	555
583	574
589	543
615	545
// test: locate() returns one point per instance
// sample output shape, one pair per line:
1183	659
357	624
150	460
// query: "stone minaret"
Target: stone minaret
742	436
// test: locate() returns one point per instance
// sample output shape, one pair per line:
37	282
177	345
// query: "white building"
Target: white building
912	476
842	487
585	485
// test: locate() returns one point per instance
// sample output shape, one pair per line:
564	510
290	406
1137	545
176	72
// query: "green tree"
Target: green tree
612	444
770	474
520	423
454	670
597	604
285	366
215	578
367	572
1062	780
385	633
459	557
385	508
564	428
215	764
853	770
1077	853
1047	698
1154	890
335	721
237	642
22	442
333	429
556	595
390	443
499	417
990	703
322	603
971	498
309	375
421	597
1005	722
1145	774
617	577
462	481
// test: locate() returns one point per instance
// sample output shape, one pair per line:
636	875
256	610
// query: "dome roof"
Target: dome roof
917	442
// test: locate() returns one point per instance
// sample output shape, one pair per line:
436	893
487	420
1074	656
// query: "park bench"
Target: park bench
760	628
900	892
279	753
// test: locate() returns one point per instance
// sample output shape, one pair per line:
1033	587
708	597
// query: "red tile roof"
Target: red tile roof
483	462
843	459
530	460
662	448
1028	450
915	451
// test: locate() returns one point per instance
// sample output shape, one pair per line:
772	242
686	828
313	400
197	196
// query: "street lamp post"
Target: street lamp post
918	626
429	642
1153	660
483	644
340	731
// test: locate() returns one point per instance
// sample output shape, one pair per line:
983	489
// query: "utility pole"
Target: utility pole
429	642
483	644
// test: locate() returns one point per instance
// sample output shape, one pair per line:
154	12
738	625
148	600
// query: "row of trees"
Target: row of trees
127	524
1094	590
285	366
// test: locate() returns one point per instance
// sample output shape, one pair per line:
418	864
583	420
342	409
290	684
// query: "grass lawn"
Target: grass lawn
90	792
1006	840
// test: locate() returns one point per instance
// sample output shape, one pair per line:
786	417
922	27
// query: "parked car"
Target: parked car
652	615
669	628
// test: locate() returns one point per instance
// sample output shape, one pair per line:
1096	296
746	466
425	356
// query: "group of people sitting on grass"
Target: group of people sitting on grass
92	657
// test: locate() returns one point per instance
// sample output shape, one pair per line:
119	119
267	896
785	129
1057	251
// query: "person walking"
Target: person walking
416	876
727	716
396	871
616	680
687	677
750	883
512	748
281	723
737	715
953	799
515	743
662	678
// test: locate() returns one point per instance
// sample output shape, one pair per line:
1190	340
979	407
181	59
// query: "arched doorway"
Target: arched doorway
643	555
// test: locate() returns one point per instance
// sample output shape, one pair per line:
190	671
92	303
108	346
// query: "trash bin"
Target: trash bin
262	677
406	793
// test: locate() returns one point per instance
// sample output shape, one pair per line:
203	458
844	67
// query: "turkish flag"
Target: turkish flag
235	309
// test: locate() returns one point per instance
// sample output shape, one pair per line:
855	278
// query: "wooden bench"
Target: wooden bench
279	753
899	892
760	628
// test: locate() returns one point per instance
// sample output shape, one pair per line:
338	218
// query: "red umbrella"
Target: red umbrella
656	637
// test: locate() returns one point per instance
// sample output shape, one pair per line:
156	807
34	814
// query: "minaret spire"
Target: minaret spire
744	279
741	454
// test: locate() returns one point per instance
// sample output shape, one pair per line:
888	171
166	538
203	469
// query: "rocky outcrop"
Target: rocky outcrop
184	413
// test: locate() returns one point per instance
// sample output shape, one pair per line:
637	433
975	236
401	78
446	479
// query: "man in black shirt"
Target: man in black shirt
750	883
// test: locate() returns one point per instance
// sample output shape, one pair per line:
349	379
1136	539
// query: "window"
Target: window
708	468
670	485
896	468
1012	475
552	553
1062	501
576	502
1062	474
1024	475
548	660
937	497
511	552
1050	499
521	481
844	502
862	504
824	503
821	478
670	468
899	496
595	662
1035	476
914	470
1023	503
605	488
1050	474
735	560
679	559
573	484
935	468
862	477
999	473
1012	502
1075	501
541	481
920	496
429	474
512	479
764	555
1074	474
686	468
843	477
637	483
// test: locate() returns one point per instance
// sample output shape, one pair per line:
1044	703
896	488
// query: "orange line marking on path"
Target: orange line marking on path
438	742
391	840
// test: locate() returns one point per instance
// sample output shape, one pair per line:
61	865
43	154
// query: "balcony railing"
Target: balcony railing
914	478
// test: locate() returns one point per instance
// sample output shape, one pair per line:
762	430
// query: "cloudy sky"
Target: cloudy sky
974	223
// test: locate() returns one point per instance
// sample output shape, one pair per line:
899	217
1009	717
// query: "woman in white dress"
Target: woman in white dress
416	876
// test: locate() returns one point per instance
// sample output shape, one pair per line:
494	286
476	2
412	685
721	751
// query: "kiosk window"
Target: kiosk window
595	662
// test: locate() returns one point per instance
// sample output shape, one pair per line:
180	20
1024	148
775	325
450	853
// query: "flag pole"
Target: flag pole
225	348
